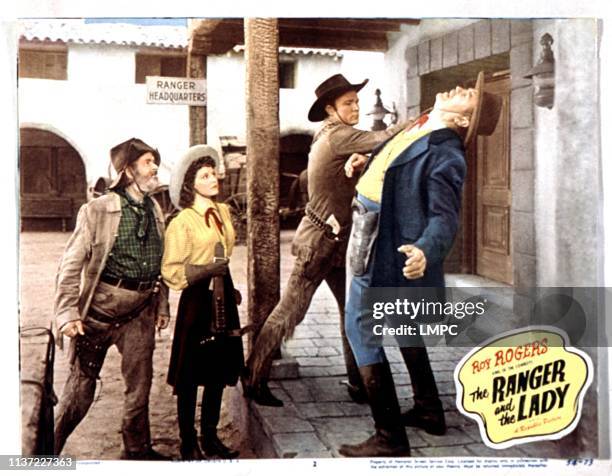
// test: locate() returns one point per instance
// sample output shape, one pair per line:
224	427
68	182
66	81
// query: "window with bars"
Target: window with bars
158	65
43	64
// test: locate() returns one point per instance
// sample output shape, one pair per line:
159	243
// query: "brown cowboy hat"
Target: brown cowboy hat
486	114
329	90
126	153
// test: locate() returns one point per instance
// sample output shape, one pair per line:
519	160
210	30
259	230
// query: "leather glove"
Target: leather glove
198	272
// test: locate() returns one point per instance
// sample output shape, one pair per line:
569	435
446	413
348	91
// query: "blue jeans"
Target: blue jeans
355	314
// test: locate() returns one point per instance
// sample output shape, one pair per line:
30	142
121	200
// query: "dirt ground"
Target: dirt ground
99	436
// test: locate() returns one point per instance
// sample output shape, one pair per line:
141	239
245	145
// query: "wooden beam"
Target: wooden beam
220	35
345	24
211	37
204	27
196	68
263	133
339	41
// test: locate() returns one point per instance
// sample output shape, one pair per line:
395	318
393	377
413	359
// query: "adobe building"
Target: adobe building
82	89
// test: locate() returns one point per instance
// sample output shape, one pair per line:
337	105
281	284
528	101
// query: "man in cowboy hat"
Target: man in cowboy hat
108	292
320	240
403	228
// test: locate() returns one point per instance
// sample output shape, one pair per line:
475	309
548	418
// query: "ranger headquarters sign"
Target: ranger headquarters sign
185	91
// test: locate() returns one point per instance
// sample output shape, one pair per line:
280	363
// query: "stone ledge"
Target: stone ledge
285	368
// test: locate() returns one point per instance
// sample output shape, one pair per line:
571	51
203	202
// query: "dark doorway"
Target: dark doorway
293	187
52	181
483	245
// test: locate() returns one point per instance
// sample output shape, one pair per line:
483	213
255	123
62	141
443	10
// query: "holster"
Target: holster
363	237
313	247
91	348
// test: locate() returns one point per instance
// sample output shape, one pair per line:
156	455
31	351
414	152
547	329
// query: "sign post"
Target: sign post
180	91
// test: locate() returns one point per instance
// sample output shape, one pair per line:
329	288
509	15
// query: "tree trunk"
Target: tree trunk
263	244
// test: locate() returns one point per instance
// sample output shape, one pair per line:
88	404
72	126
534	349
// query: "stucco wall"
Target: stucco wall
396	62
226	101
99	105
568	184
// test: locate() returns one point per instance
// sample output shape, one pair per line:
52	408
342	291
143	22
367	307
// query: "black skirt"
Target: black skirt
195	358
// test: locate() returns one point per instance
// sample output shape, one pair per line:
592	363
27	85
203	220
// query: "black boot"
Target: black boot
261	395
259	391
186	403
147	454
190	450
432	422
211	413
356	392
427	412
390	438
354	385
213	446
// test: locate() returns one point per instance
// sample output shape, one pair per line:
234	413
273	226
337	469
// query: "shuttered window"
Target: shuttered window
43	64
157	65
286	74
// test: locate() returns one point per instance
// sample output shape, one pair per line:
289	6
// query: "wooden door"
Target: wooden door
493	194
53	185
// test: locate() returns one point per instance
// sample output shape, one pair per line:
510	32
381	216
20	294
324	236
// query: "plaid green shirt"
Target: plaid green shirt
137	251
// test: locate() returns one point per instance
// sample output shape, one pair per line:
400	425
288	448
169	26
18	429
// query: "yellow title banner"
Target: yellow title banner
523	386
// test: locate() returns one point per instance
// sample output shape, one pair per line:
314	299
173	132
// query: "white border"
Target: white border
9	403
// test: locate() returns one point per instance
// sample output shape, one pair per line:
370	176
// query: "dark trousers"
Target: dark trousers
211	409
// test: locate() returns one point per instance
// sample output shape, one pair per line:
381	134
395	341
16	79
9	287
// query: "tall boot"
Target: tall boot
390	438
257	389
427	413
213	446
355	387
211	411
186	399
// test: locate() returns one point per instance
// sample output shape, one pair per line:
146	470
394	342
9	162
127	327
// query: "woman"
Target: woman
200	354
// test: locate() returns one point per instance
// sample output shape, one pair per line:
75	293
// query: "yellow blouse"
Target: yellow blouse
189	240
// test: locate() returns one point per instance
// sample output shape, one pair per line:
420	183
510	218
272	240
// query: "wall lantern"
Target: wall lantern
379	112
543	75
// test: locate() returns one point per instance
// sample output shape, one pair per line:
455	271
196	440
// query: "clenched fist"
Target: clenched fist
415	264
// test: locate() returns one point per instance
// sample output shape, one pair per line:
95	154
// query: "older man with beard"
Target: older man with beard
108	292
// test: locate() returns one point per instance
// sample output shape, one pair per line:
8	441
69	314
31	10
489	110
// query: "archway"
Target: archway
52	181
293	186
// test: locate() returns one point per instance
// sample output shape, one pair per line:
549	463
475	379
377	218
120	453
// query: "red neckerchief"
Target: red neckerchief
211	212
419	122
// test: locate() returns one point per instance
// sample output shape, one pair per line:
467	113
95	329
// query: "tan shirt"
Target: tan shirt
330	191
